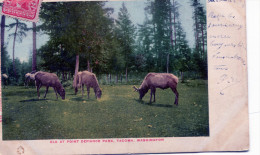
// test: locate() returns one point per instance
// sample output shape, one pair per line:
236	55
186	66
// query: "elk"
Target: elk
90	81
158	80
78	82
5	80
49	80
29	77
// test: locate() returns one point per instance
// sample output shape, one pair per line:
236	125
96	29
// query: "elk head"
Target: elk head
61	92
98	93
140	91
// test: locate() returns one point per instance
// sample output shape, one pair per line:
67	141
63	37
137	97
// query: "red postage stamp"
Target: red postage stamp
22	9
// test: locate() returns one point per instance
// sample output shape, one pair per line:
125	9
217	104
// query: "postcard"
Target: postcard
115	77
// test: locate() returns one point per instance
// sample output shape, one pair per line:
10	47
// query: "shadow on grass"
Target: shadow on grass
81	99
7	120
70	94
33	100
154	104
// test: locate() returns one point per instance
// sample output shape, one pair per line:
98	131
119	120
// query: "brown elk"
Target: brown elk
90	81
49	80
30	77
158	80
78	82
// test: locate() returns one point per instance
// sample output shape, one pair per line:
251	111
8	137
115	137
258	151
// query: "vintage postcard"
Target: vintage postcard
113	77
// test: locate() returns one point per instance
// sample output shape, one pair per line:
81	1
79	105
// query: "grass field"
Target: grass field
118	114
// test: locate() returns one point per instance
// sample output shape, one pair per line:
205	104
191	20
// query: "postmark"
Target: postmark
22	9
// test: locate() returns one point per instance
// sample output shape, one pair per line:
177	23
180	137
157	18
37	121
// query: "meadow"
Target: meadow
118	114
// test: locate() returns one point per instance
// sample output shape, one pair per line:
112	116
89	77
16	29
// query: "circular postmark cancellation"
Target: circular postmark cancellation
22	9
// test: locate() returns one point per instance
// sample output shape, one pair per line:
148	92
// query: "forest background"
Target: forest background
112	39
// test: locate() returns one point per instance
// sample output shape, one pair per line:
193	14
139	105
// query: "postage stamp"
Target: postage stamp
22	9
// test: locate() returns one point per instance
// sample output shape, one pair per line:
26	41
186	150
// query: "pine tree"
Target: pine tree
126	34
144	53
200	49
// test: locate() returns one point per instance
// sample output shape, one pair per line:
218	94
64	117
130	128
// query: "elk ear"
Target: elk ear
135	89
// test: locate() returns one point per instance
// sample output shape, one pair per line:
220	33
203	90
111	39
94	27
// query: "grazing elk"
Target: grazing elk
49	80
5	80
90	81
30	77
158	80
78	82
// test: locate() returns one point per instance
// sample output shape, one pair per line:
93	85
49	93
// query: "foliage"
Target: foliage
200	33
114	45
5	60
75	28
125	34
21	30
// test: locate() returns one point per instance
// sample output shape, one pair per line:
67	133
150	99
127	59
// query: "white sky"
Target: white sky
135	9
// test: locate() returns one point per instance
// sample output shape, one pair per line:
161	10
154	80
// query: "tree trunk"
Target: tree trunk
182	76
76	71
168	56
89	69
69	76
196	31
109	78
116	77
2	32
34	61
126	75
121	77
171	27
202	41
63	76
14	47
174	25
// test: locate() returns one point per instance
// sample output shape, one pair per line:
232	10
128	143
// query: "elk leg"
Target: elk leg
38	87
88	90
47	88
176	95
154	95
55	92
151	95
37	84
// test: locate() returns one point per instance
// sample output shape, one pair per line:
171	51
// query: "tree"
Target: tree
4	56
34	56
2	32
5	60
19	32
125	31
76	30
200	53
144	53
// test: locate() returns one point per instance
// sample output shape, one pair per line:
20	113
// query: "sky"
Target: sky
135	9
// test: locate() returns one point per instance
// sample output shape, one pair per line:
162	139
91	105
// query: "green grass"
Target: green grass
119	113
